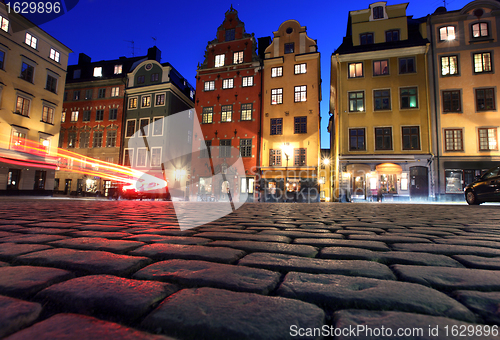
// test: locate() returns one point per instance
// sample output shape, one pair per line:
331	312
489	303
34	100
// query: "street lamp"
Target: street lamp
287	150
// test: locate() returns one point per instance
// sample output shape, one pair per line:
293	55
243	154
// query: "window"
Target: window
115	91
74	116
378	12
246	147
226	113
482	62
300	68
101	93
4	24
18	140
276	126
488	139
132	103
99	115
141	79
97	139
408	98
84	140
207	115
160	99
300	125
392	35
299	157
453	140
355	70
129	132
383	138
230	34
44	144
65	97
156	156
144	127
356	101
219	60
118	69
276	96
411	137
380	67
274	157
480	30
76	95
449	65
155	77
113	114
111	139
357	140
54	55
485	99
210	85
146	101
48	114
366	38
98	71
72	140
289	48
451	101
205	153
63	117
88	94
142	157
2	60
247	81
225	148
27	72
447	33
238	57
23	106
76	74
128	155
406	65
382	99
86	116
61	140
277	72
246	111
300	93
227	83
157	126
31	40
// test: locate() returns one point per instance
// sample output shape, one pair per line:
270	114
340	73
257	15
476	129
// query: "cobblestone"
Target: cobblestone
16	314
9	251
486	304
98	243
269	247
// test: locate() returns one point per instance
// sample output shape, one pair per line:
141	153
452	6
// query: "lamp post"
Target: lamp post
286	150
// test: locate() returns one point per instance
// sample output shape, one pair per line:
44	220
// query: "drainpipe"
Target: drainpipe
337	124
259	135
429	125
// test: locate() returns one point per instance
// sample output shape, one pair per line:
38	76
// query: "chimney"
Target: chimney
154	54
83	59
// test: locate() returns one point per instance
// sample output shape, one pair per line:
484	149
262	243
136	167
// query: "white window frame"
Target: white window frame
161	124
98	71
209	85
247	81
131	156
300	93
115	91
146	101
54	55
4	24
18	131
74	116
145	159
50	119
238	57
152	154
31	40
227	83
219	60
126	127
53	75
146	134
277	72
275	95
25	100
300	68
130	101
156	99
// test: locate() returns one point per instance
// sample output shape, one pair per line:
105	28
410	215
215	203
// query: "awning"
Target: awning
389	168
358	169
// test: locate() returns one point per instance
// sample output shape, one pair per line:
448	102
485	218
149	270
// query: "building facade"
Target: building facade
228	105
465	58
33	66
291	97
380	104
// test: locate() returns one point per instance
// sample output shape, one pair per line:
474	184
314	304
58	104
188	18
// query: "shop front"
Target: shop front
291	185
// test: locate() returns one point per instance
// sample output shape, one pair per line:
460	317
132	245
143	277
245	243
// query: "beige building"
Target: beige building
33	66
291	97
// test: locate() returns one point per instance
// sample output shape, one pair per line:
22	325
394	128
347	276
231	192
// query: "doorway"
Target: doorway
13	179
67	187
419	182
247	185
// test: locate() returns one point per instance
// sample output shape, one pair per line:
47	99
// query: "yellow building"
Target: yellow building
291	96
33	66
465	59
379	100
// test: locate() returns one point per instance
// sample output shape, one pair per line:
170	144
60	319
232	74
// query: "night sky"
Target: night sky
102	29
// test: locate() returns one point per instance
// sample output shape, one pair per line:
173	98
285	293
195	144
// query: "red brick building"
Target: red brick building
228	105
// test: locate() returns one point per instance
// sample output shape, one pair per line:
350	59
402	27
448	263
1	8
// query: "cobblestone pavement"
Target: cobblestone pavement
74	269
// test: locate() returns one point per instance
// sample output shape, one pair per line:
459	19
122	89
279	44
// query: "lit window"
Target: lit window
23	106
380	67
289	48
277	72
48	115
98	71
115	91
447	33
449	65
355	70
18	140
54	55
226	113
132	103
63	117
356	101
210	85
118	69
300	68
485	99
246	147
488	139
274	157
207	115
160	99
247	81
382	99
146	101
480	30
482	62
408	98
4	24
219	60
276	96
246	111
453	140
74	116
31	40
228	83
238	57
156	156
300	93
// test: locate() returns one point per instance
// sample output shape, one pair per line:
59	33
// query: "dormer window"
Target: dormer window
447	33
378	12
392	35
98	71
366	38
480	30
230	35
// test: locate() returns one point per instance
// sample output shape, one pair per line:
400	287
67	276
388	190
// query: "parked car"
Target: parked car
486	188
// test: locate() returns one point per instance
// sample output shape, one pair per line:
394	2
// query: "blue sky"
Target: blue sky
103	29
